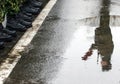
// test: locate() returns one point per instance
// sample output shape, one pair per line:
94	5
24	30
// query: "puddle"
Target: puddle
93	53
77	71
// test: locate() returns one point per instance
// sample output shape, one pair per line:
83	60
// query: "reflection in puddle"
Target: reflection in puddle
103	39
76	71
104	46
101	65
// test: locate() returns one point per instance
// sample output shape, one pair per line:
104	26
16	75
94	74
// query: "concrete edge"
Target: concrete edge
14	55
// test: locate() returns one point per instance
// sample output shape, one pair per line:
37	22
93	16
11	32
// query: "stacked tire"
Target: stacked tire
19	19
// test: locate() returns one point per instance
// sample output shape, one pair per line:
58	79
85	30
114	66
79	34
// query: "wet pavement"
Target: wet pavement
78	44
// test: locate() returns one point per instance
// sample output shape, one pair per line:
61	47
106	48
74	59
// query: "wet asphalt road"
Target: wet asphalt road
54	55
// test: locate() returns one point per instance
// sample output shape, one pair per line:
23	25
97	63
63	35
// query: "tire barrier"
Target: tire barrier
21	21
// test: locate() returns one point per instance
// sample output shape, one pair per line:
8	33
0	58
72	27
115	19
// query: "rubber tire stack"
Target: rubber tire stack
21	21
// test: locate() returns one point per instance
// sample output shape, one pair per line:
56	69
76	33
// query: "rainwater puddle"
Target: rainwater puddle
93	53
77	71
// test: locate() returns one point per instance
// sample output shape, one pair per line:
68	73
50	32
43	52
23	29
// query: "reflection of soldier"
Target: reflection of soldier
103	38
104	45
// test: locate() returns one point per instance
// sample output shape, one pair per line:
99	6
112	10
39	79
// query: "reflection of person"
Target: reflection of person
103	38
104	45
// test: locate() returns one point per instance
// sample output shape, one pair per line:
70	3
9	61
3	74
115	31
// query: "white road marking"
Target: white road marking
14	55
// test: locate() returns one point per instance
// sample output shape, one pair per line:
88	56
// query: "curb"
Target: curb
14	55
